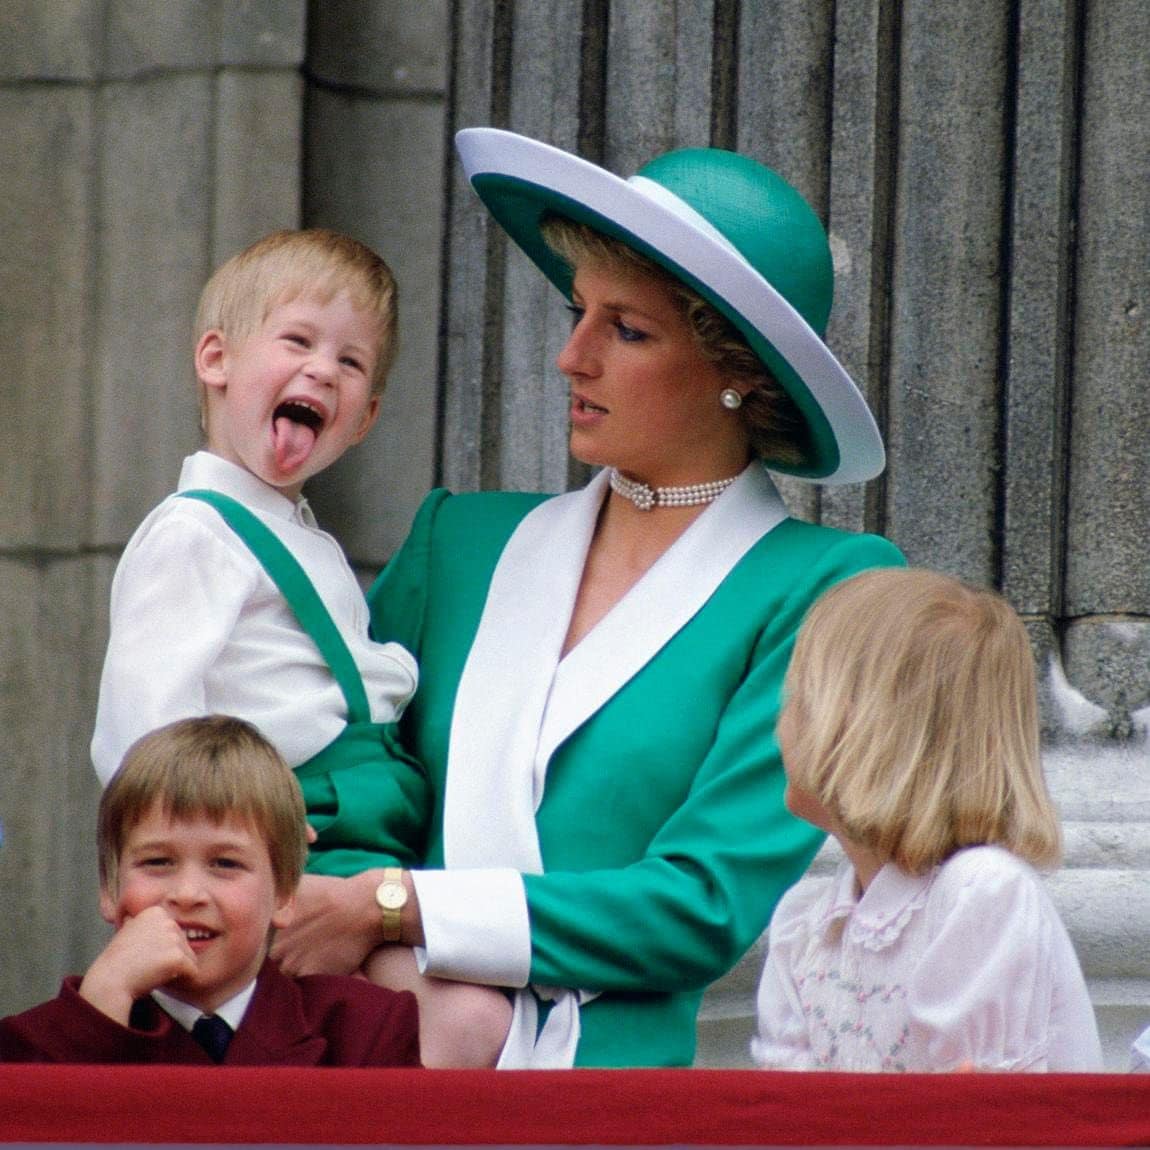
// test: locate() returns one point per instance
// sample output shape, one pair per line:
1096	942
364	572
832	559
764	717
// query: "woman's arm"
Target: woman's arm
338	923
701	881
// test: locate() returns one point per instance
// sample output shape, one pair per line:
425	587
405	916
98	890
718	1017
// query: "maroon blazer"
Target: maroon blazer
316	1020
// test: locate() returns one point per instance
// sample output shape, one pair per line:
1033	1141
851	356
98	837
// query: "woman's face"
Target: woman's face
644	398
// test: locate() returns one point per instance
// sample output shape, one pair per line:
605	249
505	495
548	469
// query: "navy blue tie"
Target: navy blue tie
213	1034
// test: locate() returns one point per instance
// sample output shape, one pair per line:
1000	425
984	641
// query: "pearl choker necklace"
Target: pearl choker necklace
645	498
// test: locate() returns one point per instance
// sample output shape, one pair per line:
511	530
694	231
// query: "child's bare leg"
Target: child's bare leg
461	1026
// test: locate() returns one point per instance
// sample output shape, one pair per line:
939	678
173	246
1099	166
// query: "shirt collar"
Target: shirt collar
232	1011
212	471
879	916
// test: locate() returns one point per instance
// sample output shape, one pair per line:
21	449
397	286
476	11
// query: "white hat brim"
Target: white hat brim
507	170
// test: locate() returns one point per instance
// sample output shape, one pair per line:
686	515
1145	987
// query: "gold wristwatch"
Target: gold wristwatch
391	895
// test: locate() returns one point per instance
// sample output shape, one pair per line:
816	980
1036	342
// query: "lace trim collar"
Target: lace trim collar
875	920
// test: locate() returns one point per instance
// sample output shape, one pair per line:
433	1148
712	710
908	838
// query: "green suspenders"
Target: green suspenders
366	797
286	573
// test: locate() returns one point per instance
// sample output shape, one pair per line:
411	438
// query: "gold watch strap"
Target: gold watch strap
393	915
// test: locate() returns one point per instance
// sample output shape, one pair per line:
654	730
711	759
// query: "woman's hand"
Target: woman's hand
337	925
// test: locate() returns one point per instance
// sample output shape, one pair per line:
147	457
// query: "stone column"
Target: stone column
982	170
146	141
374	168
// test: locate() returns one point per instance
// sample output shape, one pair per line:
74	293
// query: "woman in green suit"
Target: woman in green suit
600	671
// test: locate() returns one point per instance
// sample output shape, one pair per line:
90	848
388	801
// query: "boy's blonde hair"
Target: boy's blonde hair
287	264
212	767
916	721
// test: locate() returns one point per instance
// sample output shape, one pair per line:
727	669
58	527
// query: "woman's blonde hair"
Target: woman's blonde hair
777	430
212	767
287	264
916	721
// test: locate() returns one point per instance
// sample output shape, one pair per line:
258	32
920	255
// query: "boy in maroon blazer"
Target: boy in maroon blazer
202	840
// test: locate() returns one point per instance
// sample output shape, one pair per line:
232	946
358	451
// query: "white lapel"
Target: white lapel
660	604
489	805
517	701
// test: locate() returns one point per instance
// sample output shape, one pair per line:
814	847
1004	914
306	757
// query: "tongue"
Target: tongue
293	443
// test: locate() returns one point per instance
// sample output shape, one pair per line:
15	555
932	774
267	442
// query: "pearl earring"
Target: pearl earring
730	399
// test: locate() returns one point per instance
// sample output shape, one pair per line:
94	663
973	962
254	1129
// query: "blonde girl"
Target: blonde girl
910	733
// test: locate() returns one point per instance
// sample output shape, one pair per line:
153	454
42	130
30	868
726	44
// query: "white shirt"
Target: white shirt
197	627
969	964
232	1011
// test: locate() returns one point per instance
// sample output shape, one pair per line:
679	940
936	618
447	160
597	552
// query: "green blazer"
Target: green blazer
664	839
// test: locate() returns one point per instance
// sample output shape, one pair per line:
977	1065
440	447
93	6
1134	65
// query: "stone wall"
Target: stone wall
142	142
983	168
146	142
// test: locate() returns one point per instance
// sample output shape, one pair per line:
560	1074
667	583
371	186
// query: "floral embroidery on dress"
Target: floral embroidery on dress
827	995
905	975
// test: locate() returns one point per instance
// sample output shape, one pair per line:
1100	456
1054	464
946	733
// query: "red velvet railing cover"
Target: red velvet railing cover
611	1107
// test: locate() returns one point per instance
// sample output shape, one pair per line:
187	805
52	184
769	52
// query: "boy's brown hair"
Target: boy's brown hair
916	719
287	264
214	767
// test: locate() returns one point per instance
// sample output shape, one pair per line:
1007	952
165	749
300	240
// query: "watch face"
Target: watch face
391	895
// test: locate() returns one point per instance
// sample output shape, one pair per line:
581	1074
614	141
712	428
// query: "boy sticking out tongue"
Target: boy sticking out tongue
230	600
287	399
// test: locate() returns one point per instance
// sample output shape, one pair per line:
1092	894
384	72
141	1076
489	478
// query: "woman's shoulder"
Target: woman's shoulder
798	560
814	540
447	526
445	510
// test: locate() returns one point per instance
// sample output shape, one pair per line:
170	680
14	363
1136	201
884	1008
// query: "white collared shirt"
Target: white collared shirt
968	964
232	1011
197	627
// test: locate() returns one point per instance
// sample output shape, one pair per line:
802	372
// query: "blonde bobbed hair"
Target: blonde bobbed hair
287	264
774	424
214	767
916	721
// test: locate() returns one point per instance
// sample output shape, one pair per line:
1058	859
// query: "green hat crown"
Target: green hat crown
732	230
759	213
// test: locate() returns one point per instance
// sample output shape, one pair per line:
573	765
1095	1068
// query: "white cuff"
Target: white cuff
475	925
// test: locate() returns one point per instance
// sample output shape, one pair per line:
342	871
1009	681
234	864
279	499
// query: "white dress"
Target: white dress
968	965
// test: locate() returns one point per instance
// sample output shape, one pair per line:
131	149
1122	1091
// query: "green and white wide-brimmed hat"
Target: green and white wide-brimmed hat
730	228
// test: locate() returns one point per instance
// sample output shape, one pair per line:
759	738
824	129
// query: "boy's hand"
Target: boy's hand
147	951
